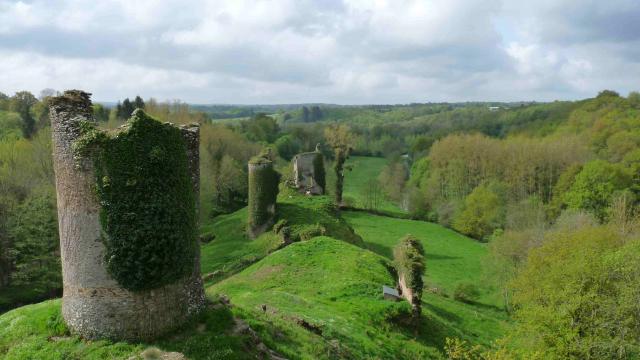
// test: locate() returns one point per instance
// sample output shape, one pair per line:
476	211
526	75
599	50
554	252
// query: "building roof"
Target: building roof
389	291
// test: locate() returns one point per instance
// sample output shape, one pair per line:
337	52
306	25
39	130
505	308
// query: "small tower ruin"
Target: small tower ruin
409	258
308	172
263	192
127	213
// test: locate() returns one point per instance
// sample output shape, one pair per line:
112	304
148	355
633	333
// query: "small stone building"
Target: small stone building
308	172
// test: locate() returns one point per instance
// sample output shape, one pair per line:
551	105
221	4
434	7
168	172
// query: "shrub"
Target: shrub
312	231
466	292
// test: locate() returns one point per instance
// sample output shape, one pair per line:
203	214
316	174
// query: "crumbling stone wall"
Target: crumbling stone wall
308	172
409	260
263	191
95	304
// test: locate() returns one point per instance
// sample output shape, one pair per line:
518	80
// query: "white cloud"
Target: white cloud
358	51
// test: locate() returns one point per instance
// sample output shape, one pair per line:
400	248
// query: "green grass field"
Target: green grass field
314	299
451	258
363	170
334	286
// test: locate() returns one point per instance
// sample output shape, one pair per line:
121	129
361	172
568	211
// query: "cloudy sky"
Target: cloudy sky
332	51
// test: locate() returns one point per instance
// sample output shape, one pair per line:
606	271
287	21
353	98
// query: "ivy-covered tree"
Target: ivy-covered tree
409	260
340	138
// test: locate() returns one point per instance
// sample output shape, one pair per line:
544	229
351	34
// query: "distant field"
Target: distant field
363	170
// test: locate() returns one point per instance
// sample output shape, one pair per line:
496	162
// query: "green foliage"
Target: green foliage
311	231
577	296
35	251
38	332
340	138
224	154
318	170
261	128
408	257
147	202
565	181
595	186
483	212
10	125
333	286
466	292
392	179
263	191
22	102
287	147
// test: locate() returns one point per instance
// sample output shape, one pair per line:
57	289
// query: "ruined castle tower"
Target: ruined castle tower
101	298
263	191
308	172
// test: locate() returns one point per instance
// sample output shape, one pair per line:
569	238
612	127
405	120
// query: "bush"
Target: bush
466	292
483	211
312	231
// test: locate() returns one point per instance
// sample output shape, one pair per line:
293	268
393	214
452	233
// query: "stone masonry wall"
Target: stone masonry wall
93	304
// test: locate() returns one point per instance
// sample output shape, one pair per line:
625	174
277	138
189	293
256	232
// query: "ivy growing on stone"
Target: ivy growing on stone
318	171
147	201
409	259
263	191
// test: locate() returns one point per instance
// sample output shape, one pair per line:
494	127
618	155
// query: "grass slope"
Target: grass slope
335	287
38	332
364	169
315	299
232	250
451	258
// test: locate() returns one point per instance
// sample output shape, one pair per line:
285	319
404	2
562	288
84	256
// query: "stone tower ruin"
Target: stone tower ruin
263	192
308	172
117	265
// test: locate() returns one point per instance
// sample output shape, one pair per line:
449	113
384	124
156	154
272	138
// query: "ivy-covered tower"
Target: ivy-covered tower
127	213
263	191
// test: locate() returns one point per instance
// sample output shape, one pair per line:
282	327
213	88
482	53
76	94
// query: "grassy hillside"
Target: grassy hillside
38	332
232	250
451	259
334	287
363	170
315	299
